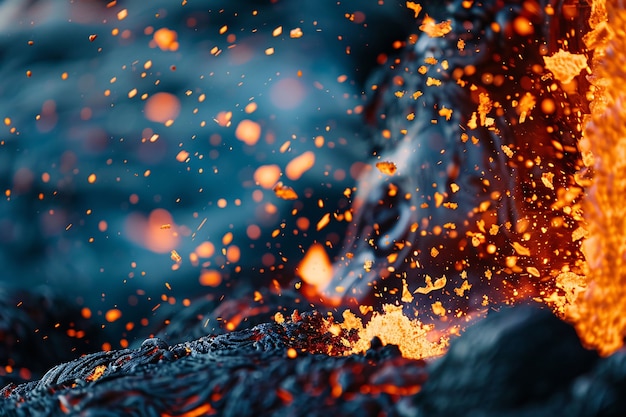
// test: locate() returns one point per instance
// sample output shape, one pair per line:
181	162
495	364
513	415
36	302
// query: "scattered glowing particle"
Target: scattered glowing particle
438	308
122	14
454	187
433	29
315	268
113	315
299	165
165	226
295	33
407	297
387	167
248	132
132	93
285	192
175	256
417	8
460	44
292	353
279	318
278	31
323	222
507	151
434	252
182	156
447	113
430	81
520	250
533	271
92	38
465	286
269	51
210	278
546	179
29	73
223	29
91	178
565	65
166	39
430	286
417	95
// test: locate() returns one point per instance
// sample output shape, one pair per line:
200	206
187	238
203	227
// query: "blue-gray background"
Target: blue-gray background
81	131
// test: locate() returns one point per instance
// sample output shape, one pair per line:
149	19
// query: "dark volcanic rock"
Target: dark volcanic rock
511	359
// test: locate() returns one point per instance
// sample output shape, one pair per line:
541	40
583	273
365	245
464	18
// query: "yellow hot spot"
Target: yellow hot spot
323	222
175	256
122	14
285	192
248	132
387	167
91	178
417	8
434	29
393	327
182	156
299	165
444	112
96	373
315	268
565	65
439	284
295	33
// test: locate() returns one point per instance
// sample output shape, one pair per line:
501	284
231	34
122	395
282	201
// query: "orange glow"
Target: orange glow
248	132
162	107
210	278
85	312
148	232
315	268
113	315
299	165
253	232
267	175
166	39
233	254
205	250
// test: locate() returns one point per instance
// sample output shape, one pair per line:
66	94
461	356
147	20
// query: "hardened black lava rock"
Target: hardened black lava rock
518	362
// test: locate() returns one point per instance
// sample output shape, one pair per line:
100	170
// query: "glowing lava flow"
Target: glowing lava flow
600	313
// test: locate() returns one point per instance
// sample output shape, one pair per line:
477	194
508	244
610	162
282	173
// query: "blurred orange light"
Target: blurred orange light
267	175
248	132
166	39
299	165
162	107
210	278
315	268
